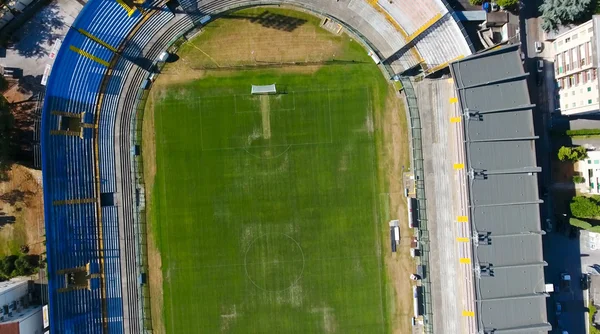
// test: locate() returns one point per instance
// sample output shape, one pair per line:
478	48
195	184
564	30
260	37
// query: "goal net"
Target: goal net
266	89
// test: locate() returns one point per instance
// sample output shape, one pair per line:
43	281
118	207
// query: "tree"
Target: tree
476	2
25	265
507	3
585	207
576	153
578	179
556	13
7	265
7	144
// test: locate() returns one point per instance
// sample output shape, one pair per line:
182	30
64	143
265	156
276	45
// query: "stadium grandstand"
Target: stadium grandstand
504	215
92	196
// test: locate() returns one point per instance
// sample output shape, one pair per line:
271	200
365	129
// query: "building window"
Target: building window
567	40
589	89
573	93
588	74
590	101
574	36
573	105
590	162
590	29
596	162
594	74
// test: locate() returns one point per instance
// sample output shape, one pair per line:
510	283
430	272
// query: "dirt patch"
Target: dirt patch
155	278
297	40
393	154
563	171
177	73
265	112
21	211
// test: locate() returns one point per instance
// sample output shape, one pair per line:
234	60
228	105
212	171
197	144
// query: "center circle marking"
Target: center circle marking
274	262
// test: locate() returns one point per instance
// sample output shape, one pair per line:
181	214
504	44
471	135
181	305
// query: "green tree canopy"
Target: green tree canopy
556	13
576	153
585	207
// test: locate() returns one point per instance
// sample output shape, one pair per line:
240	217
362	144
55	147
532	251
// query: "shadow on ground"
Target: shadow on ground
30	39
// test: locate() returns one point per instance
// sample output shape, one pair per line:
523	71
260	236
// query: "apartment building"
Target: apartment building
576	68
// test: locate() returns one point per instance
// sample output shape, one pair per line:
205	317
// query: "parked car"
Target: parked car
558	309
565	281
539	46
585	281
540	65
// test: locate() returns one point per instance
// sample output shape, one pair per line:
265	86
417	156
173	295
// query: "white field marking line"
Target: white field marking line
322	259
235	110
267	158
206	54
166	214
264	146
294	100
229	95
262	262
329	113
376	219
201	138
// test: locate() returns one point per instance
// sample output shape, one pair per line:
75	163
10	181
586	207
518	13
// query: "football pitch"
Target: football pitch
266	209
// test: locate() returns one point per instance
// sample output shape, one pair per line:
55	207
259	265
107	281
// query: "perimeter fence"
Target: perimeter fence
419	175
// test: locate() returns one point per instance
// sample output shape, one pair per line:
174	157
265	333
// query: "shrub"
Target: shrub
578	179
585	207
475	2
592	311
566	153
507	3
582	132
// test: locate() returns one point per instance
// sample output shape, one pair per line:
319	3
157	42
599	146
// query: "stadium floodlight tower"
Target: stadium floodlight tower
262	90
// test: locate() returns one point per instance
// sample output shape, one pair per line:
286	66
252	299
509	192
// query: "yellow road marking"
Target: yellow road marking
468	313
465	260
453	99
96	39
460	239
459	166
89	55
455	119
451	80
462	219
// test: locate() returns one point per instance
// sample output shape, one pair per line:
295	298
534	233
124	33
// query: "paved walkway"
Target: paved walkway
34	42
450	293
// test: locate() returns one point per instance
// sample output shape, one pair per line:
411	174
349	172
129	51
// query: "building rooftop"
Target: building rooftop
503	192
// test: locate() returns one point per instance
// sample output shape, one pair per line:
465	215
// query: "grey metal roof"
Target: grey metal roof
503	192
524	218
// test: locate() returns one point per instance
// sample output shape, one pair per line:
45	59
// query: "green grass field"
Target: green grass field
266	209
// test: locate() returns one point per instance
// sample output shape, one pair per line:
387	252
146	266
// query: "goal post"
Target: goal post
264	89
